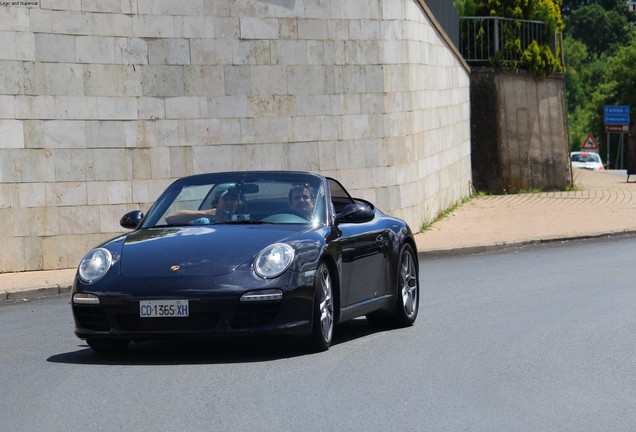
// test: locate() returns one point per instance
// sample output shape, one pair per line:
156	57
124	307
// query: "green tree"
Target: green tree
601	30
466	7
580	72
544	10
548	11
539	60
617	85
570	5
599	38
621	72
576	58
581	80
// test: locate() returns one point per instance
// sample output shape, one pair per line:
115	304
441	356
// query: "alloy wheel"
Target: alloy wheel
326	303
409	284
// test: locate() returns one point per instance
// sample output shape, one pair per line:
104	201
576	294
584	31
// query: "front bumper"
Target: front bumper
212	312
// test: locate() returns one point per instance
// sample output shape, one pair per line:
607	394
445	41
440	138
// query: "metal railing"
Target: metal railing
494	39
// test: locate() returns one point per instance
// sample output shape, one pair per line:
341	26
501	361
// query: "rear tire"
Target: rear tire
323	319
108	346
407	294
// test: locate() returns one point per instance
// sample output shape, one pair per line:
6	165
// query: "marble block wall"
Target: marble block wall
105	102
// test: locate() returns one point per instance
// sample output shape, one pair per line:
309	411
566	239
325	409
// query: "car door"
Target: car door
363	249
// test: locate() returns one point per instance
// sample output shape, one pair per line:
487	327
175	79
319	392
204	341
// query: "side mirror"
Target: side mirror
131	219
355	213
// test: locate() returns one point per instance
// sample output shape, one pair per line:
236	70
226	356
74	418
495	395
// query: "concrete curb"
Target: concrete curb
33	293
473	250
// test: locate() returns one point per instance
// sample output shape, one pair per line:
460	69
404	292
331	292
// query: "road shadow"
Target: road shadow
212	351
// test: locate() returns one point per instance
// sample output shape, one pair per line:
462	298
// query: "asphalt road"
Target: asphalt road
539	339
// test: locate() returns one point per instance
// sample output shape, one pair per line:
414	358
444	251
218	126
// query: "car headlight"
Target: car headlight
95	265
273	260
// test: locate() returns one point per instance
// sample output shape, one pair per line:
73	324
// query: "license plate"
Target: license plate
163	308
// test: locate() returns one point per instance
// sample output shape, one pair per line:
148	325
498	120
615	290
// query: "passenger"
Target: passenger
302	200
224	205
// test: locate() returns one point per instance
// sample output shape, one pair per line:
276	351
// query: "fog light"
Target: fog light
262	295
85	299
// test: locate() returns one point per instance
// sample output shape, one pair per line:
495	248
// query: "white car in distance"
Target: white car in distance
586	160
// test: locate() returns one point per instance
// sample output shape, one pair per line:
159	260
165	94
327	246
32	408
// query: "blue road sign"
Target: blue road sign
616	115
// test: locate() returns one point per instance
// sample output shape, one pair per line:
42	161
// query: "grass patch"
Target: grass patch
426	225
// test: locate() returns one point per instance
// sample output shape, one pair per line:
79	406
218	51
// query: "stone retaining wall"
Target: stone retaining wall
105	102
519	132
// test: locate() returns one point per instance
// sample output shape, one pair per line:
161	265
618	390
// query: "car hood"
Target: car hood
197	251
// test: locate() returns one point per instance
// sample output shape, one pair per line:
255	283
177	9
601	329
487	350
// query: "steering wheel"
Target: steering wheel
295	213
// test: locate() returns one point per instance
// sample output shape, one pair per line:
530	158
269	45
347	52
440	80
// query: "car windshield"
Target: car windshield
241	198
585	157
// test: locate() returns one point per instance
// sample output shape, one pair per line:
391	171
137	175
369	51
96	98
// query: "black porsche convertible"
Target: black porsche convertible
247	253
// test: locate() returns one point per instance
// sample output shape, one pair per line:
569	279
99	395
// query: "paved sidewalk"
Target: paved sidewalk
603	204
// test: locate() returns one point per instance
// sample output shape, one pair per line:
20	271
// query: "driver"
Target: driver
301	199
224	205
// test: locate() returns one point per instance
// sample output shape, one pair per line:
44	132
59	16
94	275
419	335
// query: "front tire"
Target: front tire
408	302
407	294
323	319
